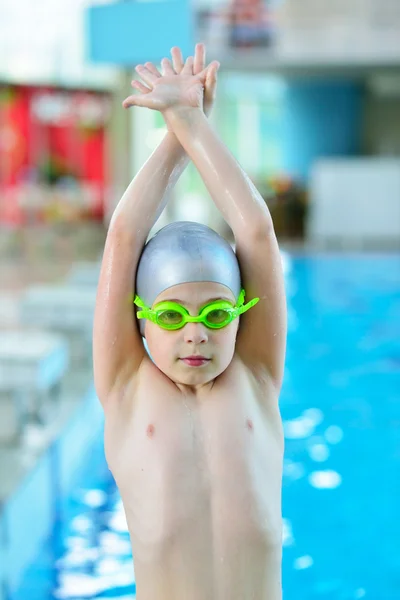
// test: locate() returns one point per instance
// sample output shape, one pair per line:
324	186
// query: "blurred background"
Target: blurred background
309	103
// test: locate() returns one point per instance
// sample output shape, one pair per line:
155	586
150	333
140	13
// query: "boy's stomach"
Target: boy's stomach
200	479
204	513
206	562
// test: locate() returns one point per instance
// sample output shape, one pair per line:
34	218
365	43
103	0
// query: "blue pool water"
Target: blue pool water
340	405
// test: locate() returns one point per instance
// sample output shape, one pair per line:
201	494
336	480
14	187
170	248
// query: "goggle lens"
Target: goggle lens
174	319
169	318
218	318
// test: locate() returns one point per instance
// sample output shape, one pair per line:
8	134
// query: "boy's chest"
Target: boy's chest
159	421
225	447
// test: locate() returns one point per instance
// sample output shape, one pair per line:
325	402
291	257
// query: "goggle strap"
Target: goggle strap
139	302
240	300
145	313
247	306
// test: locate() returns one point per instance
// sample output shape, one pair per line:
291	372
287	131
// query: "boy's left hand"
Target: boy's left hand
188	85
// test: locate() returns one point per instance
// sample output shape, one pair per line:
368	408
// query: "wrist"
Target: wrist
182	115
173	147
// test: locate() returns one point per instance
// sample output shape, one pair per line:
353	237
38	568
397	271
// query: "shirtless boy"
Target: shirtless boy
195	446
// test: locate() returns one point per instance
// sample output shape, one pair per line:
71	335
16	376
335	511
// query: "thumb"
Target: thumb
212	67
137	100
211	81
211	72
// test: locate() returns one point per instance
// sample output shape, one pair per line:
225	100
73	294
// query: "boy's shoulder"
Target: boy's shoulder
237	374
156	393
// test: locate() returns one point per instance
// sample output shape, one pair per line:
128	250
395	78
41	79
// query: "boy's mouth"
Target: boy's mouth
195	361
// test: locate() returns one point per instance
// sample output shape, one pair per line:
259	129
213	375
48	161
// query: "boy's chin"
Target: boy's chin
189	375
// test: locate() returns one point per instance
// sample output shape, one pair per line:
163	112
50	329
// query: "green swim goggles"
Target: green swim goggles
171	315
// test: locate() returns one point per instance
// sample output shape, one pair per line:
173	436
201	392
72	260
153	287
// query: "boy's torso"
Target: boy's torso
200	479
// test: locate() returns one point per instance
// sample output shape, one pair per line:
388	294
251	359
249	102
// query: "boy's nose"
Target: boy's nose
195	333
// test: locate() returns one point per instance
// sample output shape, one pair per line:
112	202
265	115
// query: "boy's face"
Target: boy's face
168	348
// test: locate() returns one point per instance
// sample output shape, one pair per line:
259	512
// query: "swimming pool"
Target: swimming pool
340	405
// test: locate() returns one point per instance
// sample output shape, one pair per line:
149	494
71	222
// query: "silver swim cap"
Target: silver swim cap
185	252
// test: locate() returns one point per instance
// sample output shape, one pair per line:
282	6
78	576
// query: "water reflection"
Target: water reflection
340	406
341	478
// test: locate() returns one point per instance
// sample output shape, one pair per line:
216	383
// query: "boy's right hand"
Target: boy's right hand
199	63
188	84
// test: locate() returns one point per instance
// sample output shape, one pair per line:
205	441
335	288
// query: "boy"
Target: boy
194	439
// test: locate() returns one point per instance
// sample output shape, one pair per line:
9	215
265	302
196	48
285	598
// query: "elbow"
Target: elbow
127	231
119	232
260	229
117	225
263	227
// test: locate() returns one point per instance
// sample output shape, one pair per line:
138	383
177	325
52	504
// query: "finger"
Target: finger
199	59
139	100
147	76
177	59
139	86
211	72
153	69
211	83
167	67
188	66
212	68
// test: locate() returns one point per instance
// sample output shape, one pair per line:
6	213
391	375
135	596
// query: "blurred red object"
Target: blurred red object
52	140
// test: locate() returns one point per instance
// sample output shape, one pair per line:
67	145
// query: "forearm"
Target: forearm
148	193
234	194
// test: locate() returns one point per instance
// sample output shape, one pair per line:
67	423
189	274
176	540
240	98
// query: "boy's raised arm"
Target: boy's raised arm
117	344
261	340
